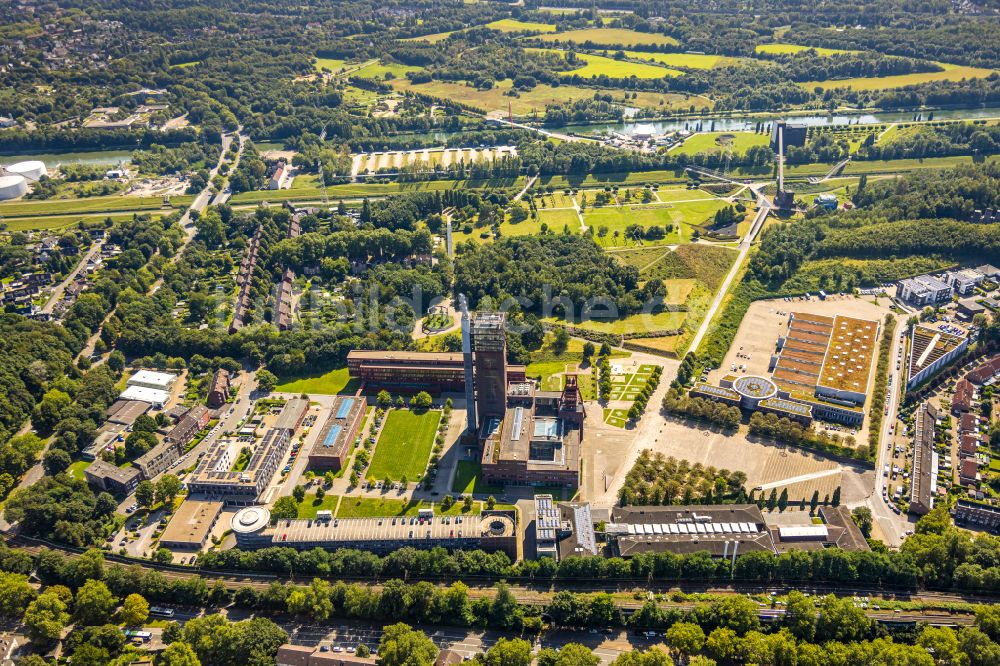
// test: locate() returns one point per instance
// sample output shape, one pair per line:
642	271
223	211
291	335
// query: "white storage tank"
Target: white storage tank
30	169
12	187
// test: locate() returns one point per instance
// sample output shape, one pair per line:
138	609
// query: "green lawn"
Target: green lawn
378	70
556	220
332	64
404	445
332	382
713	142
639	323
467	480
109	204
76	469
310	506
617	218
357	190
367	507
63	221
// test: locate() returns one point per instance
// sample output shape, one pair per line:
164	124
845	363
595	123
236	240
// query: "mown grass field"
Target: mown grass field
432	39
595	65
63	221
404	445
616	178
784	49
467	480
513	25
332	64
109	204
711	142
332	382
555	220
378	70
690	60
356	190
639	323
949	73
611	37
617	218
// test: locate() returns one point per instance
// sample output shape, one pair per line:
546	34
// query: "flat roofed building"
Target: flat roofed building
215	478
547	525
923	290
292	414
723	531
931	350
155	397
125	412
537	442
191	525
964	281
119	480
302	655
410	372
847	364
923	474
330	449
162	381
490	531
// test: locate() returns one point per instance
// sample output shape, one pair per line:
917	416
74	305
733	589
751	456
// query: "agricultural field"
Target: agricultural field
785	49
404	445
711	142
610	37
513	25
949	73
689	60
595	65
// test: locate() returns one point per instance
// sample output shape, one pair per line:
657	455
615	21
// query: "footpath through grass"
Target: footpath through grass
404	445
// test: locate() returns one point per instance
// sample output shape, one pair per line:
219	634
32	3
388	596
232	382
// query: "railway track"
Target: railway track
540	593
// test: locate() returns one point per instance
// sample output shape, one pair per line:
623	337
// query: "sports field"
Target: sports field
404	445
611	37
948	73
690	60
784	49
513	25
713	142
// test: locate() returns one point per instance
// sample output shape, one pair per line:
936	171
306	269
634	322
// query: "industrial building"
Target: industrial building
114	479
923	290
31	170
964	281
125	412
793	135
490	531
564	529
191	525
411	372
931	350
12	187
331	449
